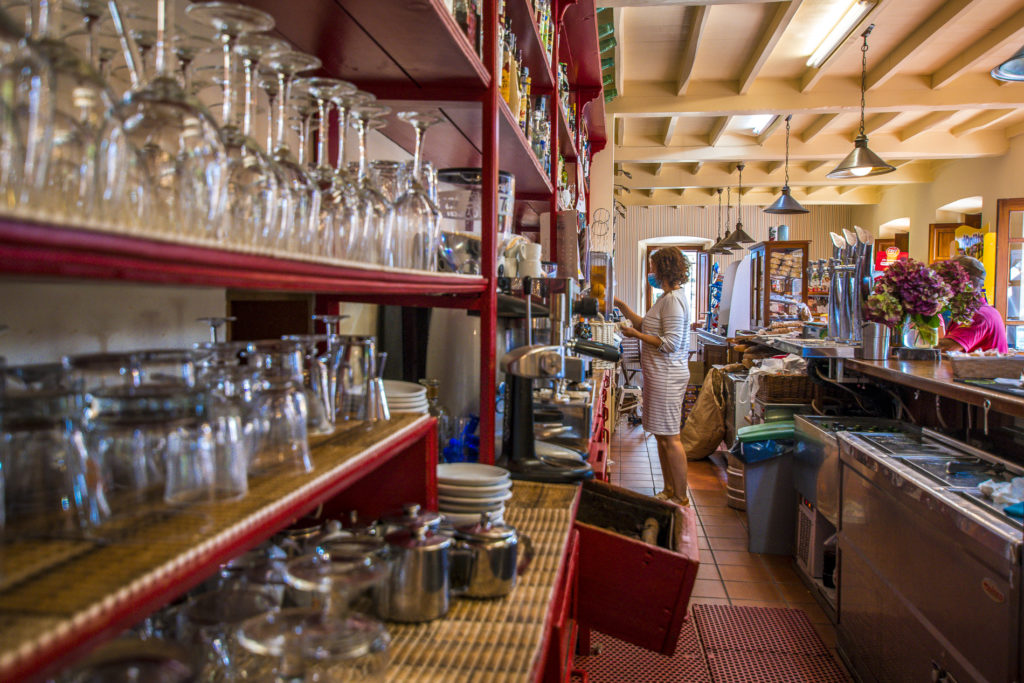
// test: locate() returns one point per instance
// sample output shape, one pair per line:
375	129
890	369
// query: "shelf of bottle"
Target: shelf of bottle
60	598
535	57
37	248
566	137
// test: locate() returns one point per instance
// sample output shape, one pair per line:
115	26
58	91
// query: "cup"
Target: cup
530	269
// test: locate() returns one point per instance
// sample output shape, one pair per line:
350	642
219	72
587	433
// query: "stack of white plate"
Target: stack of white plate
466	489
405	397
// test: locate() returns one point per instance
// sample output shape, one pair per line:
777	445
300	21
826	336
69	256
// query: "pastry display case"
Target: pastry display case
778	282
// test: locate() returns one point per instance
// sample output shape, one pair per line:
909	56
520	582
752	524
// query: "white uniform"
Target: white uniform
665	370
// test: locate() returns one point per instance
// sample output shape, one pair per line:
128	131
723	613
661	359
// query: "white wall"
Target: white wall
699	221
992	178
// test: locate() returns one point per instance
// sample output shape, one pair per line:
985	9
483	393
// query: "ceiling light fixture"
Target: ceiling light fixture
861	161
1012	69
739	236
716	247
785	203
840	32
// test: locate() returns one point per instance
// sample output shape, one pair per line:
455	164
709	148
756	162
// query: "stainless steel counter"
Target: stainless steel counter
809	348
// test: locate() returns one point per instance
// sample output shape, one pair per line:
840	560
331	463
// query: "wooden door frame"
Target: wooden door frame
695	270
1003	209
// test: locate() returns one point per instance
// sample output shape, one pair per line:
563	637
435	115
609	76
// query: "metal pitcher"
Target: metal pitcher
418	587
486	558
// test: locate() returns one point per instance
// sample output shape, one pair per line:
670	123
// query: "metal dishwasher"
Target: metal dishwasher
931	570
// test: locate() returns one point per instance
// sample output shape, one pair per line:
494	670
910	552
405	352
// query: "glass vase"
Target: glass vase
921	332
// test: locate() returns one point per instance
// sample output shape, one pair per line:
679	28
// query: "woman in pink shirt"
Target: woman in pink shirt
987	330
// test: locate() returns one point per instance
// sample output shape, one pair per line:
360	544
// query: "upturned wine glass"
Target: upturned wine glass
178	139
374	215
300	201
416	216
252	179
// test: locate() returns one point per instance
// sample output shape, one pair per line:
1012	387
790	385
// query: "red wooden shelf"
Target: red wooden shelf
535	57
47	250
579	26
34	648
566	139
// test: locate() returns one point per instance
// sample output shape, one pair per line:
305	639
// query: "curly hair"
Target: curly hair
671	266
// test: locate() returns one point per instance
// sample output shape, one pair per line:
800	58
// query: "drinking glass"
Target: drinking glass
208	622
280	407
309	645
317	384
334	210
181	146
373	239
332	582
417	216
348	227
301	201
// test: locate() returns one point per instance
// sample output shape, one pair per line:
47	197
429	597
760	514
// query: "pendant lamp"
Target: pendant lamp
739	236
861	162
1012	69
785	203
717	247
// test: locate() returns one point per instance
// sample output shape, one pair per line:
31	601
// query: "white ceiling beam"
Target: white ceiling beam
912	45
812	166
1006	36
667	3
873	123
925	123
620	130
770	36
698	18
767	132
813	189
650	192
758	198
731	167
772	167
812	76
673	121
657	169
681	192
619	28
717	128
816	126
696	167
932	144
678	175
770	96
981	121
845	189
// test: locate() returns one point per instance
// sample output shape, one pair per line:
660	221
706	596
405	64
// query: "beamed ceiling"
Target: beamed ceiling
692	75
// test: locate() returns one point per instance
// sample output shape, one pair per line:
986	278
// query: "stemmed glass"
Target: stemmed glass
334	211
180	143
416	216
252	181
374	215
301	201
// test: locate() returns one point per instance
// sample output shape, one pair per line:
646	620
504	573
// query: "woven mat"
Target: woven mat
495	640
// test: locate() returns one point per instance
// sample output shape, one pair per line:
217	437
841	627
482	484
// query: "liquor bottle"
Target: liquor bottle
524	100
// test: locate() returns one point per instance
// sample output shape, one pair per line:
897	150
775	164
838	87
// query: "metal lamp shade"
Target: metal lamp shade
1012	69
738	237
861	162
785	204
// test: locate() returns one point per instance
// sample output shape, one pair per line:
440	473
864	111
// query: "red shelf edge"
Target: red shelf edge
517	132
528	21
81	634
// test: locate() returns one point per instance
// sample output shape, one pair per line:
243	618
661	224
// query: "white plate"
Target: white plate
463	518
460	491
396	388
409	404
471	473
452	507
444	500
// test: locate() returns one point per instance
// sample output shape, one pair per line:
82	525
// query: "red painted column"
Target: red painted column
488	307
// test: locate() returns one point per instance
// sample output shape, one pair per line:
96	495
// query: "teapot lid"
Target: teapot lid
419	537
413	515
485	529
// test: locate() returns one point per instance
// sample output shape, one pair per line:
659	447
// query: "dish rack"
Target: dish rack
605	333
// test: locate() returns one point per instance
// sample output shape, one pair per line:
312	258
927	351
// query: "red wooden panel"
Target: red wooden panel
566	138
535	58
580	27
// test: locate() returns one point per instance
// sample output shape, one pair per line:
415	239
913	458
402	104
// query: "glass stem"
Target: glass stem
361	133
417	164
321	140
228	47
249	64
164	36
90	40
128	45
339	161
271	118
185	69
304	122
284	91
48	22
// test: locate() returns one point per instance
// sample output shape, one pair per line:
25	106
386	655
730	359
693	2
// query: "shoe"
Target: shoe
663	495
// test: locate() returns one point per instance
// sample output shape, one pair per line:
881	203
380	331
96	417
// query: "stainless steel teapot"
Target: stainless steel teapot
486	558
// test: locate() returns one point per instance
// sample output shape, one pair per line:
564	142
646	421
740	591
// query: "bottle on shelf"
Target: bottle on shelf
445	423
524	102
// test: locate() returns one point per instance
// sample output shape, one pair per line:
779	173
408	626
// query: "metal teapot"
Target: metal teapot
486	558
418	588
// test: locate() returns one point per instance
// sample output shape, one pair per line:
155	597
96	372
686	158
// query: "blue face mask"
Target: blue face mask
653	281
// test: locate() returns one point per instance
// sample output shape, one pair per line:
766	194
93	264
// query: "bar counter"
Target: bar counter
937	378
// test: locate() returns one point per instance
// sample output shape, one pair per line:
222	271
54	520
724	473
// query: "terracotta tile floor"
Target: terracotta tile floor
728	574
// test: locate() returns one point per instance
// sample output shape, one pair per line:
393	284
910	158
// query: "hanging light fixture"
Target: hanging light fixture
717	247
739	236
785	203
1012	69
861	161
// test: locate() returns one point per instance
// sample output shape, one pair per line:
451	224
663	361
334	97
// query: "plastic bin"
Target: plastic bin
629	589
769	495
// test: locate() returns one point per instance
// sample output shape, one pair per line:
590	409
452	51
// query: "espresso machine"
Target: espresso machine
851	275
559	360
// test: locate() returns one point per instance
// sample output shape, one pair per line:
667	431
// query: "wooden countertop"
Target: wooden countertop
937	378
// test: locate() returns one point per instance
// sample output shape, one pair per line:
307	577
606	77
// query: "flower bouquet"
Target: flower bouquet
910	295
965	300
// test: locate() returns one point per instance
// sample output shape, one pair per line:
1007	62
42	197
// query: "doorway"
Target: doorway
695	290
1010	268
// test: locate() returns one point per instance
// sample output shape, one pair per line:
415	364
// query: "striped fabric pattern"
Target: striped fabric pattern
666	371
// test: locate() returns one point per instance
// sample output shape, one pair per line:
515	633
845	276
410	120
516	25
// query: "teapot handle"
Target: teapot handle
526	556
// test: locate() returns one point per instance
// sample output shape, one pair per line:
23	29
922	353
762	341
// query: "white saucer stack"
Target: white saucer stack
466	489
405	397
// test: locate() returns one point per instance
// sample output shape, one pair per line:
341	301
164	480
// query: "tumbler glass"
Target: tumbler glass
280	407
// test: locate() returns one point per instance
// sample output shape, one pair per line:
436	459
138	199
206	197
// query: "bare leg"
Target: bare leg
666	472
673	465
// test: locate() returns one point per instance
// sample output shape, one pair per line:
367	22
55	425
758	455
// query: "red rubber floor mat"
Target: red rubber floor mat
773	667
620	662
757	629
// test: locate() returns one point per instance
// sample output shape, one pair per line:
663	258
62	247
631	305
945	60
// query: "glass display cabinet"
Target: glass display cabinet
778	281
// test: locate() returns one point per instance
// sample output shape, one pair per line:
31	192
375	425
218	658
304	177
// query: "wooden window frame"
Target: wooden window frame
1004	243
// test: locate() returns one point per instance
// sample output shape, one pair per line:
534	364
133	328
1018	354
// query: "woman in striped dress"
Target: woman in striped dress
664	335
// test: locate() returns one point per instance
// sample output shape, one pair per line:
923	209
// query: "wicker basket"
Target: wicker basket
785	389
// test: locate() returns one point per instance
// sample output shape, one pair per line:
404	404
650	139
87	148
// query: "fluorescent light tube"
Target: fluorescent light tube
840	32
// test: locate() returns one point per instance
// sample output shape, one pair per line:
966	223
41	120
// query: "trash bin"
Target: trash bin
768	487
